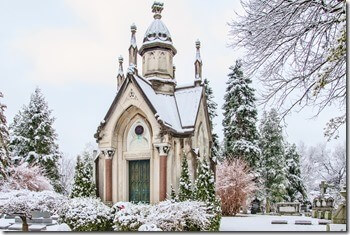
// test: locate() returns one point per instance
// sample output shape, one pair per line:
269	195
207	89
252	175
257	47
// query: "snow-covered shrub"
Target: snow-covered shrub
148	227
129	216
86	214
235	184
166	216
25	202
25	176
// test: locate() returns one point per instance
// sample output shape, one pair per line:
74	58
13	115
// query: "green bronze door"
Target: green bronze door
139	181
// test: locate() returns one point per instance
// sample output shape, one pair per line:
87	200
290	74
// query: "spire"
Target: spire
198	64
120	76
157	9
133	46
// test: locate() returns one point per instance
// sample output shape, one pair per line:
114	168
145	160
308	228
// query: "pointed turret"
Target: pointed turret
120	76
133	46
198	65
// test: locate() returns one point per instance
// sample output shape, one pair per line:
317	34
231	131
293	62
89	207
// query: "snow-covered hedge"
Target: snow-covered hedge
86	214
25	202
165	216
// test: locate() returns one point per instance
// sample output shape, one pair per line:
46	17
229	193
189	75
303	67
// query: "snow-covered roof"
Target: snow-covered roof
157	30
178	111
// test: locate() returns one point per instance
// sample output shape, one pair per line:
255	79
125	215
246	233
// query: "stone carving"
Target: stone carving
108	152
163	148
323	204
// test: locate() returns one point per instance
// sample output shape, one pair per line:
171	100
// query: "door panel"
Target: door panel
139	181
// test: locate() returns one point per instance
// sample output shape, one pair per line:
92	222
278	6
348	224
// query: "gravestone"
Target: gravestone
322	203
288	208
279	222
255	206
339	216
303	222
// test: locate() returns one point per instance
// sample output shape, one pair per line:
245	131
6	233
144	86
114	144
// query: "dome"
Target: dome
157	30
157	34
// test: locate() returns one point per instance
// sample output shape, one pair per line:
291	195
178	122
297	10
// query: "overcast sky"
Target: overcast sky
70	50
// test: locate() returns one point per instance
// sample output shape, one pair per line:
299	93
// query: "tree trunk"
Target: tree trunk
24	224
267	206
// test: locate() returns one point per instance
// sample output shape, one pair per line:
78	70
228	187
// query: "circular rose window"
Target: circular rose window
139	130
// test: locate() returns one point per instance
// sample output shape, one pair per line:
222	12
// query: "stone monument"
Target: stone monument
323	204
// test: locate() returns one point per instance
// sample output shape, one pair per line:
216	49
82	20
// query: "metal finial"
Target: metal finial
120	58
157	9
198	44
133	28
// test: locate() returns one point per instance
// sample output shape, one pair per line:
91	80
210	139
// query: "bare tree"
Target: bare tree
66	171
298	50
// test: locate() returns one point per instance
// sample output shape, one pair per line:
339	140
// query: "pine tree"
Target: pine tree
185	189
273	163
33	138
83	179
205	192
173	196
4	142
212	107
240	117
296	189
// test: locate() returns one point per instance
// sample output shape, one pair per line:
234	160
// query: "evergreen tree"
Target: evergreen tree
4	142
240	117
296	189
212	107
205	192
273	164
185	190
173	196
83	179
33	138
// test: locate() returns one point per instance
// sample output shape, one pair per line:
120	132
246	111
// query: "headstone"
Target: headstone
303	222
255	206
323	222
322	203
339	217
16	226
279	222
288	208
37	227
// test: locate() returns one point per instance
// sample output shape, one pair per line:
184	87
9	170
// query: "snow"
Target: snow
177	111
188	101
58	227
157	30
263	223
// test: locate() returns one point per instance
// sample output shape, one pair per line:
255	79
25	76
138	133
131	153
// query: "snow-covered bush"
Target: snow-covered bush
166	216
235	184
25	202
148	227
86	214
129	216
25	176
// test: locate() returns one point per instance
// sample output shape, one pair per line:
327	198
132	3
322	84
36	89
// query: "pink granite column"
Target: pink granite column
108	185
162	177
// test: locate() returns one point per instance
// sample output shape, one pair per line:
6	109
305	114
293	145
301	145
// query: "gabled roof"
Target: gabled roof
177	112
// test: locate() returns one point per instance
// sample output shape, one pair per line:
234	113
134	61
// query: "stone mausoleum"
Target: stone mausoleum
152	122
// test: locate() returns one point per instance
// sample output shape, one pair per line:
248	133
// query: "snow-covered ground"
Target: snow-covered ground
263	223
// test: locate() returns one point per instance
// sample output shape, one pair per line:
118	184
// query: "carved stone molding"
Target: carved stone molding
163	148
108	152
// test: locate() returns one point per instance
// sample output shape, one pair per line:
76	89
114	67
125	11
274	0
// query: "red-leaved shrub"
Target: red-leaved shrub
235	185
27	177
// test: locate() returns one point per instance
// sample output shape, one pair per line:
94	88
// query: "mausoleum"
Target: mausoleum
152	122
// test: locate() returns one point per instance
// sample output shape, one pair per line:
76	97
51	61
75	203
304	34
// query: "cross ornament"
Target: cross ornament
323	187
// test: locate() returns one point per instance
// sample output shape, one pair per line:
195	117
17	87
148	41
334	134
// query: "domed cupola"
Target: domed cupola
157	51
